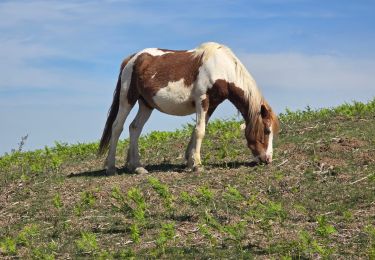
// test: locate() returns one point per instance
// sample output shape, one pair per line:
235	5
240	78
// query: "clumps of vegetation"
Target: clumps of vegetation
134	206
87	201
354	109
87	243
58	203
25	238
163	191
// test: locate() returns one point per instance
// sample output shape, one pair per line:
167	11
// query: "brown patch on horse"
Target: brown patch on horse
151	73
260	128
133	92
270	118
205	103
222	90
237	97
257	124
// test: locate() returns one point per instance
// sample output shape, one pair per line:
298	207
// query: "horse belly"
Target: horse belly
175	99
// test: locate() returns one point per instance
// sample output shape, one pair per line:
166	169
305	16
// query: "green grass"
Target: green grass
316	200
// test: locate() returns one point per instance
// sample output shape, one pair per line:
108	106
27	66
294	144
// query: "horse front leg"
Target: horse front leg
194	158
135	129
189	147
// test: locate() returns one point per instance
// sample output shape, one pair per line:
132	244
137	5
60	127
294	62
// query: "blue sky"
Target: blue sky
59	60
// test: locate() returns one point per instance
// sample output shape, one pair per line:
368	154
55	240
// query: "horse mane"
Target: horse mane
242	78
254	97
246	82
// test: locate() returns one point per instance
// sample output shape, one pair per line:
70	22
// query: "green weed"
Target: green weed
205	194
87	243
134	205
163	191
324	229
87	201
24	238
135	233
233	195
57	202
267	213
370	231
207	234
45	252
192	200
166	234
8	246
27	234
139	210
310	246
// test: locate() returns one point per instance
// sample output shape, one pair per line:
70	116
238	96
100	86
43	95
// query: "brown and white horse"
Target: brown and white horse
182	83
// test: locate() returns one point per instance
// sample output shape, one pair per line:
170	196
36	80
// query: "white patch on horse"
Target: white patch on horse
153	76
175	99
219	62
153	52
269	151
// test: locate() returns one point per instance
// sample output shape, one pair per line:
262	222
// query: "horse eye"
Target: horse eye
267	130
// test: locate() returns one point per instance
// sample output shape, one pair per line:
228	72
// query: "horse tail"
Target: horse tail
112	113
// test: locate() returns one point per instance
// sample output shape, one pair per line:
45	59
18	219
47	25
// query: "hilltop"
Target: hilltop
317	199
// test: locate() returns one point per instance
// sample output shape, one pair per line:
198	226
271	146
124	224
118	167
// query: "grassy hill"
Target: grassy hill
317	199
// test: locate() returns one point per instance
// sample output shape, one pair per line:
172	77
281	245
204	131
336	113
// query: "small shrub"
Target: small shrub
87	244
139	210
166	234
370	231
324	229
57	203
308	245
41	253
27	234
88	199
205	194
236	232
192	200
126	253
9	246
135	233
232	194
121	203
163	191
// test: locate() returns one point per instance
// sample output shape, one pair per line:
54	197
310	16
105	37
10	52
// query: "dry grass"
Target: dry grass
317	199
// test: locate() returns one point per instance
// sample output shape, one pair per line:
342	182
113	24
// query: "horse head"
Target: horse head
260	132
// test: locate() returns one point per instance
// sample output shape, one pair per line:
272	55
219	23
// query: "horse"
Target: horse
183	82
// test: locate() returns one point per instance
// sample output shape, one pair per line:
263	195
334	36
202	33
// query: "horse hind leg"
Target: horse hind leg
135	128
117	127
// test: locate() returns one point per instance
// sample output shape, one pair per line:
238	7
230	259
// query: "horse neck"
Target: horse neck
240	99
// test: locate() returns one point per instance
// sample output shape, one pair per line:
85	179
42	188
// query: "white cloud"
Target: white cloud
311	72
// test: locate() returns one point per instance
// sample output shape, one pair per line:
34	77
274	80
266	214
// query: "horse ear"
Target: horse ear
264	112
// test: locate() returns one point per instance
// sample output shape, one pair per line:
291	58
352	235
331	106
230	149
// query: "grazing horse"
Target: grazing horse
182	83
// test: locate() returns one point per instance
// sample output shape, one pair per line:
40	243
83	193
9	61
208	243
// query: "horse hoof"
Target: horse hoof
111	171
140	170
